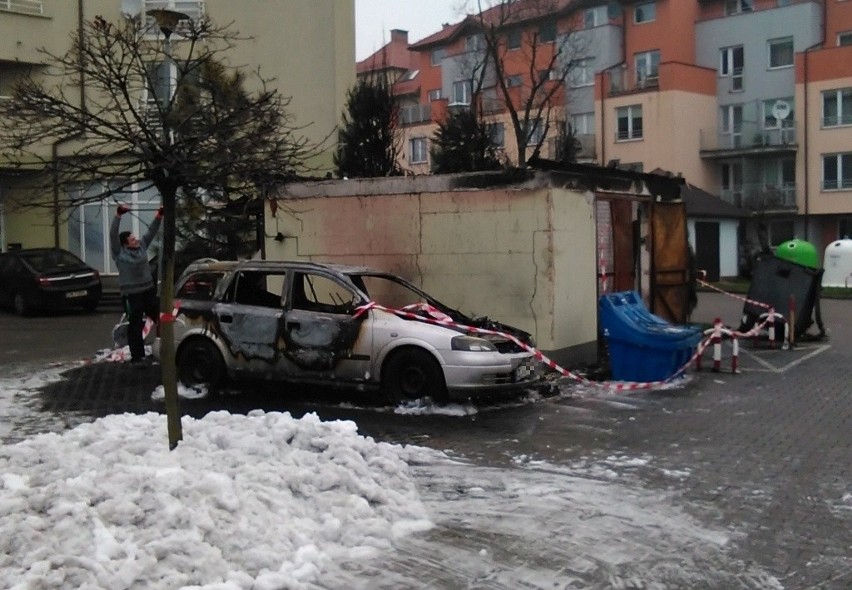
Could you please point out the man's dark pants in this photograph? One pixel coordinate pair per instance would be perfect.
(137, 306)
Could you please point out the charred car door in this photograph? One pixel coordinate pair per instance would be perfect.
(250, 317)
(323, 336)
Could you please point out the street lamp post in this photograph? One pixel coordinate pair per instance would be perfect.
(167, 21)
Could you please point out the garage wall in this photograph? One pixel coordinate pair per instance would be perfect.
(523, 254)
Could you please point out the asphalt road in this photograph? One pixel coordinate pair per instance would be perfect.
(760, 460)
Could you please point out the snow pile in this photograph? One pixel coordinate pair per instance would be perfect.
(261, 501)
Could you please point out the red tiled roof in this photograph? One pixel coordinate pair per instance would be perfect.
(394, 55)
(407, 87)
(501, 14)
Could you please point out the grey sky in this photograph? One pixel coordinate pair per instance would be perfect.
(375, 18)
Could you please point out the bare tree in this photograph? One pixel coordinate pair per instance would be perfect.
(521, 62)
(137, 107)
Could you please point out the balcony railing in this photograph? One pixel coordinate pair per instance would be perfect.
(748, 136)
(585, 147)
(837, 184)
(837, 120)
(22, 6)
(761, 197)
(416, 113)
(623, 80)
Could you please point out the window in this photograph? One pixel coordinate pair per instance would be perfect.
(417, 151)
(779, 182)
(88, 225)
(595, 17)
(647, 68)
(731, 118)
(474, 42)
(737, 6)
(732, 183)
(645, 12)
(582, 73)
(434, 94)
(844, 228)
(23, 6)
(315, 292)
(200, 286)
(844, 38)
(731, 62)
(837, 171)
(837, 107)
(629, 122)
(409, 75)
(497, 134)
(547, 32)
(549, 74)
(583, 123)
(514, 81)
(258, 288)
(535, 132)
(461, 92)
(781, 52)
(513, 39)
(438, 56)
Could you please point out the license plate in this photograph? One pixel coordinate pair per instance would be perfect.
(524, 371)
(72, 294)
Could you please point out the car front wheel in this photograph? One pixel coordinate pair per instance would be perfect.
(411, 374)
(200, 362)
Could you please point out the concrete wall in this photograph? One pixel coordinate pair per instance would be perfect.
(523, 253)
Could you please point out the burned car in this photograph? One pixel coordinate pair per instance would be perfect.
(337, 325)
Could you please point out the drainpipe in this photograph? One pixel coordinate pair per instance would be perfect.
(805, 109)
(54, 148)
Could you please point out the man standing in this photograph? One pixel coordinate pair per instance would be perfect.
(138, 293)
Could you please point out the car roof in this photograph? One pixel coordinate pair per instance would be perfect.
(230, 265)
(18, 251)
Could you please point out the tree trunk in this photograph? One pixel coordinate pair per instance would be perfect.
(167, 331)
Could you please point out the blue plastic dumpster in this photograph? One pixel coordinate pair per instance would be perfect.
(642, 346)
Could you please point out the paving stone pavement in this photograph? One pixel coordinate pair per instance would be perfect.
(768, 449)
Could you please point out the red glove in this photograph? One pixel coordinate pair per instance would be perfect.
(122, 209)
(159, 214)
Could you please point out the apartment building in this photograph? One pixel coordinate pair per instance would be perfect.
(748, 100)
(289, 41)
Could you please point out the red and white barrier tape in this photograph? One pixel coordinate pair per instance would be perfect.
(441, 319)
(743, 299)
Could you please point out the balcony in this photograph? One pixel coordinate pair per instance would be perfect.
(585, 146)
(622, 80)
(416, 113)
(35, 7)
(761, 197)
(748, 138)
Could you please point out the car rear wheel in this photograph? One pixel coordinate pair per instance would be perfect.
(413, 374)
(21, 305)
(200, 362)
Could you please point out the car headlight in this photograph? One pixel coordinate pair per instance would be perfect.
(472, 344)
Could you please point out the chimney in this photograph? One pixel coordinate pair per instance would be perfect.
(399, 35)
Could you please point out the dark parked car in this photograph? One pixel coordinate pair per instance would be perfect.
(47, 278)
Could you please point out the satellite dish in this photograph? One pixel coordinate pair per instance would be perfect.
(781, 109)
